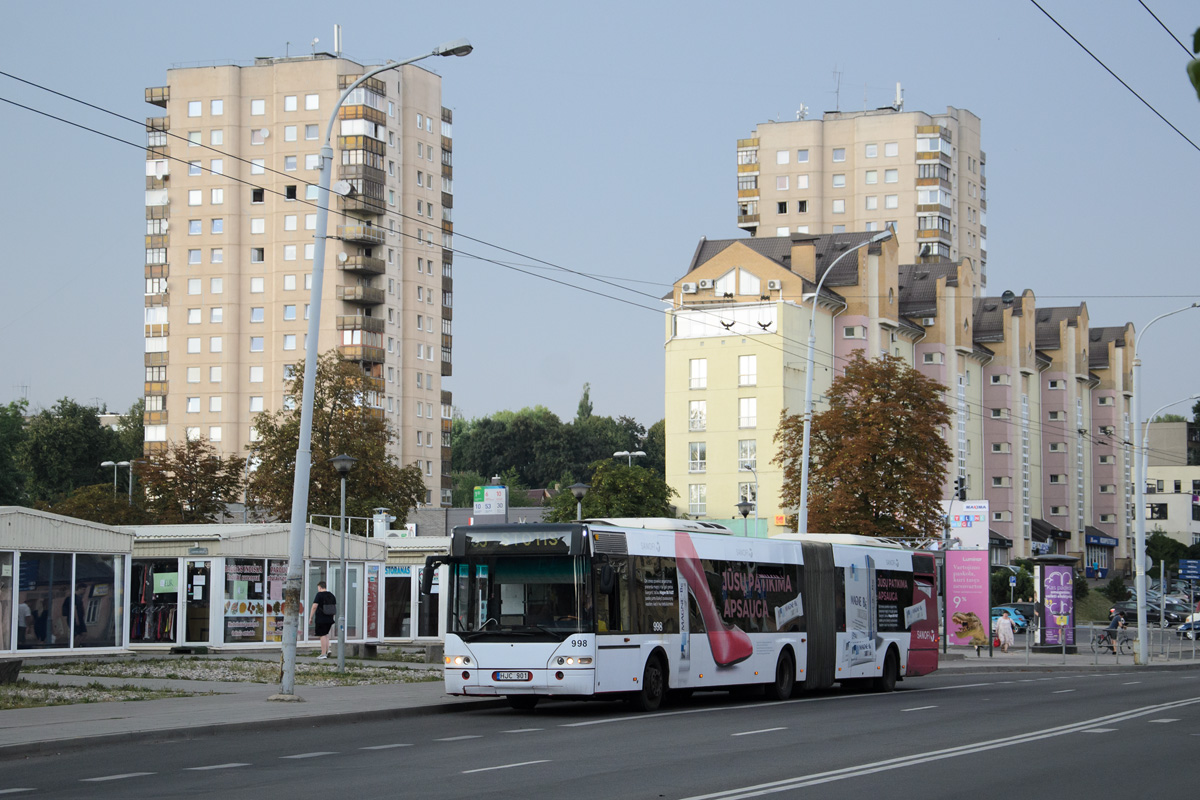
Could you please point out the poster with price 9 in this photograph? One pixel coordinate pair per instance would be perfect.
(967, 610)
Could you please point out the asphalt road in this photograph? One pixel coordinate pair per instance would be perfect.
(947, 735)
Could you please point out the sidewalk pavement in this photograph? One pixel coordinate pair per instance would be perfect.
(50, 729)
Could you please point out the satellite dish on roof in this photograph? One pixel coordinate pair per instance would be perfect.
(1007, 297)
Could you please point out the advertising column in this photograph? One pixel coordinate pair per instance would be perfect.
(967, 599)
(1055, 586)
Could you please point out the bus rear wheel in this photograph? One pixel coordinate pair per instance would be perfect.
(785, 678)
(891, 671)
(654, 686)
(523, 702)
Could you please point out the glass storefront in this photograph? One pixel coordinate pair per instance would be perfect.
(67, 600)
(397, 603)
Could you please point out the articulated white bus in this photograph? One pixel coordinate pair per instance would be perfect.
(642, 607)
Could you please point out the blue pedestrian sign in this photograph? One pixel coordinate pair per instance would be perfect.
(1012, 580)
(1189, 569)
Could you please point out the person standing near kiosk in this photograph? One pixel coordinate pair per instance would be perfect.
(322, 615)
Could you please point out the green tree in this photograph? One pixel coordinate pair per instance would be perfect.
(617, 490)
(584, 411)
(12, 441)
(1115, 590)
(63, 448)
(1169, 418)
(1000, 587)
(655, 447)
(98, 503)
(878, 457)
(1160, 547)
(131, 432)
(190, 483)
(463, 488)
(342, 423)
(1193, 66)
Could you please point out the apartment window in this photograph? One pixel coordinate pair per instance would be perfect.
(747, 370)
(289, 163)
(891, 201)
(839, 206)
(1108, 518)
(257, 314)
(871, 150)
(697, 415)
(1058, 511)
(312, 161)
(891, 176)
(258, 225)
(256, 374)
(747, 453)
(1108, 488)
(194, 168)
(217, 197)
(854, 332)
(193, 344)
(697, 456)
(747, 412)
(193, 316)
(310, 132)
(891, 149)
(1106, 400)
(216, 314)
(801, 206)
(218, 166)
(214, 344)
(931, 358)
(258, 108)
(193, 405)
(839, 154)
(216, 138)
(1058, 447)
(256, 344)
(194, 108)
(1001, 447)
(194, 256)
(1001, 482)
(802, 156)
(839, 181)
(256, 404)
(697, 499)
(308, 256)
(193, 374)
(781, 182)
(999, 413)
(195, 197)
(193, 138)
(781, 207)
(998, 380)
(1058, 416)
(289, 341)
(289, 313)
(1108, 459)
(781, 156)
(801, 181)
(1057, 479)
(1001, 516)
(698, 370)
(872, 176)
(214, 404)
(872, 202)
(257, 256)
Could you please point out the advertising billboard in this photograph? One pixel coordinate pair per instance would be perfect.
(967, 600)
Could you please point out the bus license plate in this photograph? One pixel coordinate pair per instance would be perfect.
(512, 676)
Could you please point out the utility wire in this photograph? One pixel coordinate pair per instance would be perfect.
(1165, 28)
(1115, 75)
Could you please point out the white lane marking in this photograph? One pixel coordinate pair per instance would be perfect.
(230, 765)
(384, 746)
(523, 730)
(751, 733)
(1165, 719)
(115, 777)
(1098, 730)
(312, 755)
(506, 766)
(802, 781)
(457, 738)
(1062, 691)
(14, 791)
(918, 708)
(1130, 683)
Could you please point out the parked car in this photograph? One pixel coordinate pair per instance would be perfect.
(1018, 619)
(1175, 613)
(1188, 629)
(1026, 610)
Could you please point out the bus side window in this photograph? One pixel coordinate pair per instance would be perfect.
(612, 610)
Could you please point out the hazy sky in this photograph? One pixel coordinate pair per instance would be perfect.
(601, 139)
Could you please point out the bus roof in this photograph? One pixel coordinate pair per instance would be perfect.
(662, 524)
(840, 538)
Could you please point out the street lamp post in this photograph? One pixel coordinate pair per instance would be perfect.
(114, 465)
(579, 490)
(1139, 541)
(629, 455)
(750, 469)
(343, 464)
(744, 509)
(802, 517)
(292, 587)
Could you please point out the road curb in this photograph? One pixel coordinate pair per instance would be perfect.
(50, 746)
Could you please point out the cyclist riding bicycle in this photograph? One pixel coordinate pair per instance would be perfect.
(1116, 622)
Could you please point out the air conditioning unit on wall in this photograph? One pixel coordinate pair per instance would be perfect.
(706, 283)
(774, 286)
(688, 288)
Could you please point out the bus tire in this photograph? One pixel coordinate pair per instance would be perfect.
(654, 686)
(785, 678)
(886, 682)
(523, 702)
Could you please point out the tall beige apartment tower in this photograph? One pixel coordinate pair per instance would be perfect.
(231, 189)
(862, 170)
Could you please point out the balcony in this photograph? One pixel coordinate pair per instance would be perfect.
(361, 352)
(447, 200)
(747, 220)
(748, 169)
(366, 265)
(158, 123)
(933, 233)
(154, 418)
(359, 322)
(361, 295)
(744, 194)
(155, 388)
(158, 95)
(941, 183)
(447, 226)
(366, 234)
(744, 143)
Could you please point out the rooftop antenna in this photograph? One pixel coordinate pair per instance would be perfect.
(899, 104)
(337, 41)
(313, 44)
(287, 49)
(837, 89)
(802, 112)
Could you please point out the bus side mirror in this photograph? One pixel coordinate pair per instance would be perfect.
(431, 565)
(608, 578)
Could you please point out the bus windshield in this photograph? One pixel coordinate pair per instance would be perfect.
(514, 597)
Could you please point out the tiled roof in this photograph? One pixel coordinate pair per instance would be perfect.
(1048, 320)
(1098, 339)
(918, 286)
(989, 319)
(779, 250)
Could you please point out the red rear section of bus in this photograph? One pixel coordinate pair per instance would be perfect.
(923, 644)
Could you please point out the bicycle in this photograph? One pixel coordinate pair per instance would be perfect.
(1103, 641)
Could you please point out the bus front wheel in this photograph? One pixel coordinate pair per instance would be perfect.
(785, 678)
(654, 686)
